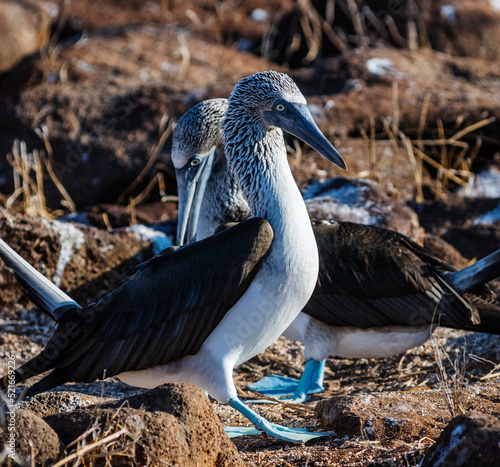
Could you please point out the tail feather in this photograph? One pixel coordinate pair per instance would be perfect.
(39, 290)
(476, 275)
(489, 314)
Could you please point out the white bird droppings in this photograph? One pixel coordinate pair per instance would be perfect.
(71, 240)
(495, 4)
(489, 218)
(259, 15)
(380, 67)
(486, 184)
(449, 12)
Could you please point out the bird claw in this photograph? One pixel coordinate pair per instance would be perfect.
(292, 435)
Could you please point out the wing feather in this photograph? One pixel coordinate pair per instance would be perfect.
(377, 277)
(162, 312)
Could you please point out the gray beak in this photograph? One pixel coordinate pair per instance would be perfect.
(191, 185)
(297, 120)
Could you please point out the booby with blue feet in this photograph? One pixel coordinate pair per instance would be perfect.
(192, 314)
(378, 293)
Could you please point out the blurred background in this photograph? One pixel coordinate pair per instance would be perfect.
(407, 89)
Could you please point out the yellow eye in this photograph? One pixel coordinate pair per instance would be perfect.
(279, 107)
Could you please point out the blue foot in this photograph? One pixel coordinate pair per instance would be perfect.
(311, 382)
(293, 435)
(274, 385)
(235, 431)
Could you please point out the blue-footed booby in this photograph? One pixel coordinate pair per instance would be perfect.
(192, 314)
(378, 293)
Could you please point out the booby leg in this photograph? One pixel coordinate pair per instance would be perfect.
(311, 382)
(293, 435)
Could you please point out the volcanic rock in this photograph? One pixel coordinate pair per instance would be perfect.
(82, 261)
(470, 439)
(173, 424)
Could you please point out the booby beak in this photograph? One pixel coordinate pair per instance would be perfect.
(191, 185)
(296, 119)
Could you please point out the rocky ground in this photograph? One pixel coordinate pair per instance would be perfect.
(407, 91)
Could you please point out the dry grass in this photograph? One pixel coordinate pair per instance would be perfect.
(368, 26)
(50, 53)
(29, 170)
(450, 156)
(451, 374)
(28, 180)
(156, 179)
(104, 443)
(43, 133)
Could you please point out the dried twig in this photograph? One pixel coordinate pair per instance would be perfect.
(81, 452)
(255, 395)
(152, 159)
(31, 189)
(452, 386)
(43, 134)
(471, 128)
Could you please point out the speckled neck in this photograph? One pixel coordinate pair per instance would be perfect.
(257, 158)
(223, 200)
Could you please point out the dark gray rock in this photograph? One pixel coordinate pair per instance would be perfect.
(468, 440)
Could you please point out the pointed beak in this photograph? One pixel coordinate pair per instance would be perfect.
(297, 120)
(191, 185)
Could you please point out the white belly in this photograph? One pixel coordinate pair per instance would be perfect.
(258, 319)
(322, 341)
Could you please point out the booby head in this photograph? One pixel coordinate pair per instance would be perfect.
(198, 154)
(197, 143)
(272, 100)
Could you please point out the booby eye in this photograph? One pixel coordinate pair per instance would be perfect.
(279, 107)
(194, 162)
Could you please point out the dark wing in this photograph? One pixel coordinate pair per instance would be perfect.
(39, 290)
(163, 312)
(371, 276)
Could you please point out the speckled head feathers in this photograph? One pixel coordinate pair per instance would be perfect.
(261, 90)
(260, 108)
(198, 130)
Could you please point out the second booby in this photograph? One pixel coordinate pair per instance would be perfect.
(378, 293)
